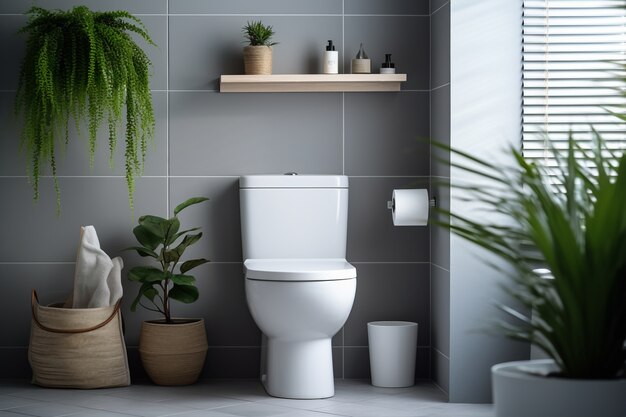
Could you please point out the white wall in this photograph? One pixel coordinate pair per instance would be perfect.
(485, 51)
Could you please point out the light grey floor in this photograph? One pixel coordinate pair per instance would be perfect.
(228, 398)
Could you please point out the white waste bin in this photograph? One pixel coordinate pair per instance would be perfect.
(393, 346)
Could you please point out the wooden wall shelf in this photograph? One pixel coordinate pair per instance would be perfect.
(303, 83)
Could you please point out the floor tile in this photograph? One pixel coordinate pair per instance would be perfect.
(361, 410)
(133, 407)
(10, 414)
(256, 410)
(97, 413)
(202, 413)
(61, 396)
(310, 413)
(46, 409)
(461, 410)
(228, 398)
(202, 401)
(143, 393)
(9, 402)
(299, 404)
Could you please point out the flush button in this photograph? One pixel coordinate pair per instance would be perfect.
(290, 173)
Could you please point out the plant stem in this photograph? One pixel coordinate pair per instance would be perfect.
(157, 310)
(164, 286)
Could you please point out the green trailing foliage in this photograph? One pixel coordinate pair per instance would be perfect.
(84, 65)
(577, 230)
(258, 34)
(161, 239)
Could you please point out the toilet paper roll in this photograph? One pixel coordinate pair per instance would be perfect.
(410, 207)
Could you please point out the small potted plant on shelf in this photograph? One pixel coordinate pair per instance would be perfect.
(574, 218)
(257, 56)
(172, 350)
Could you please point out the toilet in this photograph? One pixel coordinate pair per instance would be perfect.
(299, 287)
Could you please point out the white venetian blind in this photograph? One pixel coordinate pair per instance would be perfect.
(569, 73)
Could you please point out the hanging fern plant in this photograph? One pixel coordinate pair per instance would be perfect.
(82, 65)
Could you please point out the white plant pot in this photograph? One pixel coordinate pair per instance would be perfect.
(519, 392)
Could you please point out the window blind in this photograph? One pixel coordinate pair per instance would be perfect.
(570, 75)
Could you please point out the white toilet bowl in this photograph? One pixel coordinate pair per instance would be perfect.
(299, 287)
(299, 305)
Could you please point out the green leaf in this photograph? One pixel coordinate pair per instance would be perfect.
(146, 274)
(156, 225)
(143, 251)
(577, 231)
(146, 238)
(179, 234)
(189, 265)
(187, 241)
(146, 290)
(184, 293)
(190, 202)
(182, 279)
(171, 256)
(173, 225)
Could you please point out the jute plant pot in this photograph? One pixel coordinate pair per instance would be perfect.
(257, 60)
(173, 354)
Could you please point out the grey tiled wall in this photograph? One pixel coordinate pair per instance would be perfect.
(205, 140)
(440, 171)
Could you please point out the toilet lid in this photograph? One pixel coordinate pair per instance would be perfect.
(298, 269)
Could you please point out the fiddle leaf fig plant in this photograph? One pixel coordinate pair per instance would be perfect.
(79, 65)
(161, 239)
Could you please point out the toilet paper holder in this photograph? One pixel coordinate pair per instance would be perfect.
(391, 203)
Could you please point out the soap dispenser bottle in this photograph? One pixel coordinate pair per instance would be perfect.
(331, 59)
(388, 67)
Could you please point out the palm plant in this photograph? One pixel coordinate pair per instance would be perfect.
(79, 64)
(578, 232)
(258, 34)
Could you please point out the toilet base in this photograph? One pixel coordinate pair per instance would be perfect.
(298, 369)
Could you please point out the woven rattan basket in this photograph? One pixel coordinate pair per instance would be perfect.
(77, 347)
(173, 354)
(257, 60)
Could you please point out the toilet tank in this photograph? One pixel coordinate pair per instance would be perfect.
(293, 216)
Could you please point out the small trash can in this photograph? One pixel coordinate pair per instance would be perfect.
(393, 346)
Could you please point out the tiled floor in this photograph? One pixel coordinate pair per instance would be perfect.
(244, 398)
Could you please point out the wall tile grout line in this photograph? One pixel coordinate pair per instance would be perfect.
(343, 144)
(440, 352)
(440, 267)
(211, 176)
(440, 86)
(390, 262)
(440, 7)
(424, 347)
(167, 105)
(36, 263)
(167, 13)
(430, 170)
(200, 90)
(290, 15)
(240, 262)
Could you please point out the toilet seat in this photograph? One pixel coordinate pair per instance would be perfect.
(298, 269)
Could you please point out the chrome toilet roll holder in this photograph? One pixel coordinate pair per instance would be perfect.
(391, 204)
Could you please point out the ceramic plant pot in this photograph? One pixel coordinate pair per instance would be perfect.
(257, 60)
(519, 392)
(173, 354)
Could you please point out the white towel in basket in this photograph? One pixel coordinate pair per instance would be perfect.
(98, 278)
